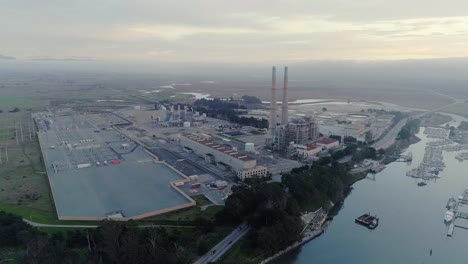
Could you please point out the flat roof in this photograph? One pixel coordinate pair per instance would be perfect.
(326, 141)
(209, 143)
(134, 187)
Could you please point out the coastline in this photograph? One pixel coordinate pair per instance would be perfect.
(305, 239)
(398, 149)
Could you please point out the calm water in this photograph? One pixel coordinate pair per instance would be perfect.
(411, 219)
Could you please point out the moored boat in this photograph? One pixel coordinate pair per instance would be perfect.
(449, 216)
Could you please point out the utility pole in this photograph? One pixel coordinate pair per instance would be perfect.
(29, 130)
(21, 130)
(16, 133)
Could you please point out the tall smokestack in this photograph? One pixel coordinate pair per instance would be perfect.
(272, 124)
(284, 106)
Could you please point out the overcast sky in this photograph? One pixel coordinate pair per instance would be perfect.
(242, 31)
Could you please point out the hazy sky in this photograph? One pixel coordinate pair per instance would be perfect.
(247, 31)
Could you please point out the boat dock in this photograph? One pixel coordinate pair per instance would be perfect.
(451, 228)
(368, 220)
(454, 206)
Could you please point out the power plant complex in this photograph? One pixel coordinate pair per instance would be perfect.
(297, 131)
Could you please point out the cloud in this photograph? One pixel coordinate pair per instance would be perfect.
(160, 52)
(235, 31)
(176, 32)
(64, 59)
(4, 57)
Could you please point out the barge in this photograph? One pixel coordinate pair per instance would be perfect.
(368, 221)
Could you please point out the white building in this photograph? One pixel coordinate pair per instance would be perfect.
(258, 171)
(309, 150)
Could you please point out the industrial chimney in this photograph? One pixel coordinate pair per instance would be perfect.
(272, 125)
(284, 106)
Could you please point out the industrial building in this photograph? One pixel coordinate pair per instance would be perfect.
(328, 143)
(300, 131)
(307, 151)
(223, 157)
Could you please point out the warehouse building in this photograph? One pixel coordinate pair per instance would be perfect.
(328, 143)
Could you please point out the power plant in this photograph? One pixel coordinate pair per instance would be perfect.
(300, 130)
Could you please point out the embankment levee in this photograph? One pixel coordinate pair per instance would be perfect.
(304, 240)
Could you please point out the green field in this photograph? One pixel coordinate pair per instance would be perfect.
(190, 214)
(23, 103)
(458, 109)
(24, 188)
(435, 119)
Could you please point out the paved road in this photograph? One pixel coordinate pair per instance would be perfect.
(222, 247)
(35, 224)
(389, 138)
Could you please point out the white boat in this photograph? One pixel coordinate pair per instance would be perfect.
(449, 216)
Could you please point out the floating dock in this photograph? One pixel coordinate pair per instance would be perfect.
(454, 206)
(368, 221)
(450, 229)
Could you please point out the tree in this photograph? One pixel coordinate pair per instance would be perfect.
(15, 110)
(204, 225)
(251, 99)
(381, 151)
(368, 136)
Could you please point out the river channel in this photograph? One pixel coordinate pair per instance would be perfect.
(411, 218)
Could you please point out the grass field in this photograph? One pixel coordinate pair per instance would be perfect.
(192, 213)
(24, 188)
(435, 119)
(458, 109)
(23, 103)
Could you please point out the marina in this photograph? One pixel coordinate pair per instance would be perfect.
(433, 163)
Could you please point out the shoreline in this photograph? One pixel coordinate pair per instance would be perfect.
(336, 207)
(304, 240)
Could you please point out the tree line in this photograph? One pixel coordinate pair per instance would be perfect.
(272, 212)
(409, 129)
(111, 242)
(226, 110)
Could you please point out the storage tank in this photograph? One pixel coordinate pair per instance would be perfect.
(249, 147)
(186, 124)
